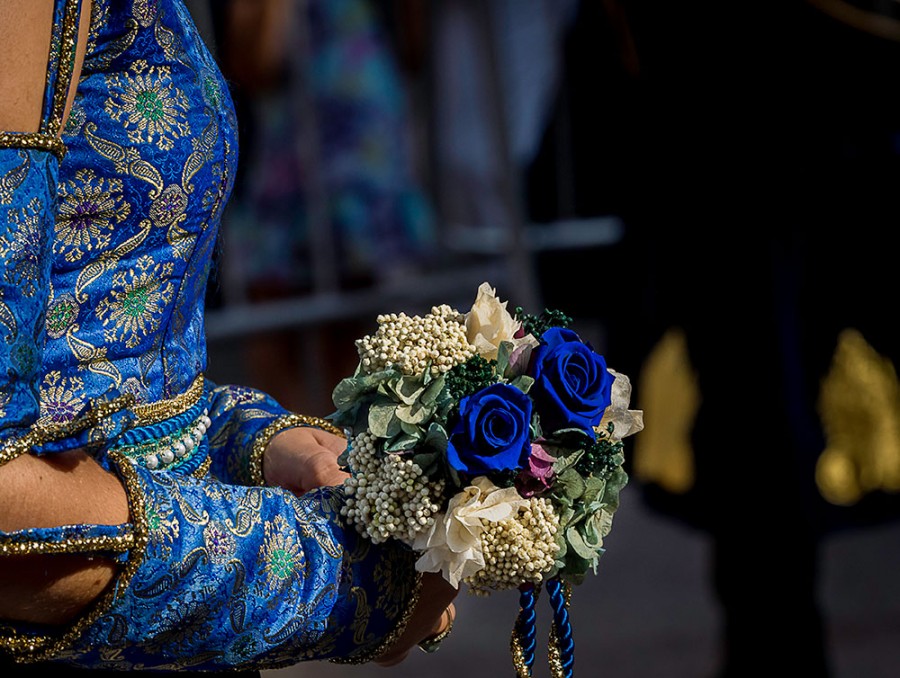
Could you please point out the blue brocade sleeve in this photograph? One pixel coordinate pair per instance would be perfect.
(28, 179)
(218, 576)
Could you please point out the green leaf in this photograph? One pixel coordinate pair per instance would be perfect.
(353, 388)
(428, 462)
(401, 442)
(415, 413)
(594, 488)
(432, 392)
(503, 353)
(523, 383)
(571, 484)
(382, 420)
(578, 544)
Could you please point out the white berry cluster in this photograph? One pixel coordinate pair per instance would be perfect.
(517, 550)
(388, 496)
(411, 343)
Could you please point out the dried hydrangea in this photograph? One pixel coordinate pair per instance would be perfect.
(388, 495)
(517, 550)
(411, 344)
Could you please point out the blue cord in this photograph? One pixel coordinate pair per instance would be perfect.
(563, 626)
(526, 623)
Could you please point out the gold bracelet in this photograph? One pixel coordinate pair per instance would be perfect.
(432, 643)
(277, 426)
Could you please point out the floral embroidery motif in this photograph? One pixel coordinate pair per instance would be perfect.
(149, 105)
(22, 248)
(169, 207)
(280, 555)
(145, 11)
(219, 543)
(89, 208)
(60, 399)
(163, 527)
(62, 313)
(137, 301)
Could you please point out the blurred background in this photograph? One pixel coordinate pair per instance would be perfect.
(710, 189)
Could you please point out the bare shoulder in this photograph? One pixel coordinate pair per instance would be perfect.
(25, 30)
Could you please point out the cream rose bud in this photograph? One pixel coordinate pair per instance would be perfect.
(489, 323)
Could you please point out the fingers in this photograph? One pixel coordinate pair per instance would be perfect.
(430, 618)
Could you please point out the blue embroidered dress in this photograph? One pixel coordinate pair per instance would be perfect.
(106, 239)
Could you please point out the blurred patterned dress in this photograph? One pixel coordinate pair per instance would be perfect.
(332, 149)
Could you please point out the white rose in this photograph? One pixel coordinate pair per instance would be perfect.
(625, 422)
(489, 323)
(453, 544)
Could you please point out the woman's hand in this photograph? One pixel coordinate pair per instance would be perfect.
(304, 458)
(434, 614)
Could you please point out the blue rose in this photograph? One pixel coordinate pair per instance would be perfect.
(572, 386)
(493, 432)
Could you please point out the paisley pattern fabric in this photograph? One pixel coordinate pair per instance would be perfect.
(105, 248)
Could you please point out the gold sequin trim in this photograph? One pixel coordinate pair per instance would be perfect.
(393, 636)
(118, 544)
(68, 48)
(35, 140)
(25, 648)
(203, 469)
(151, 413)
(42, 433)
(280, 424)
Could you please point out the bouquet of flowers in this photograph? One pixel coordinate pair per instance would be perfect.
(490, 443)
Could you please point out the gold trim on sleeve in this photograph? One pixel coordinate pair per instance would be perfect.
(34, 140)
(393, 636)
(277, 426)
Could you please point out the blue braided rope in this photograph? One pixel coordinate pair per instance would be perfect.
(562, 626)
(526, 624)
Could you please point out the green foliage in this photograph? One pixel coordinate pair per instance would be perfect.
(536, 325)
(399, 408)
(470, 377)
(603, 457)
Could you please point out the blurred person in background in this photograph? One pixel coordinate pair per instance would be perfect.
(753, 152)
(328, 197)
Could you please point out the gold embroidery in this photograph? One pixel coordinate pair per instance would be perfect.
(41, 433)
(151, 413)
(118, 544)
(34, 141)
(135, 305)
(68, 47)
(93, 357)
(361, 617)
(148, 105)
(393, 636)
(859, 402)
(61, 398)
(89, 208)
(280, 424)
